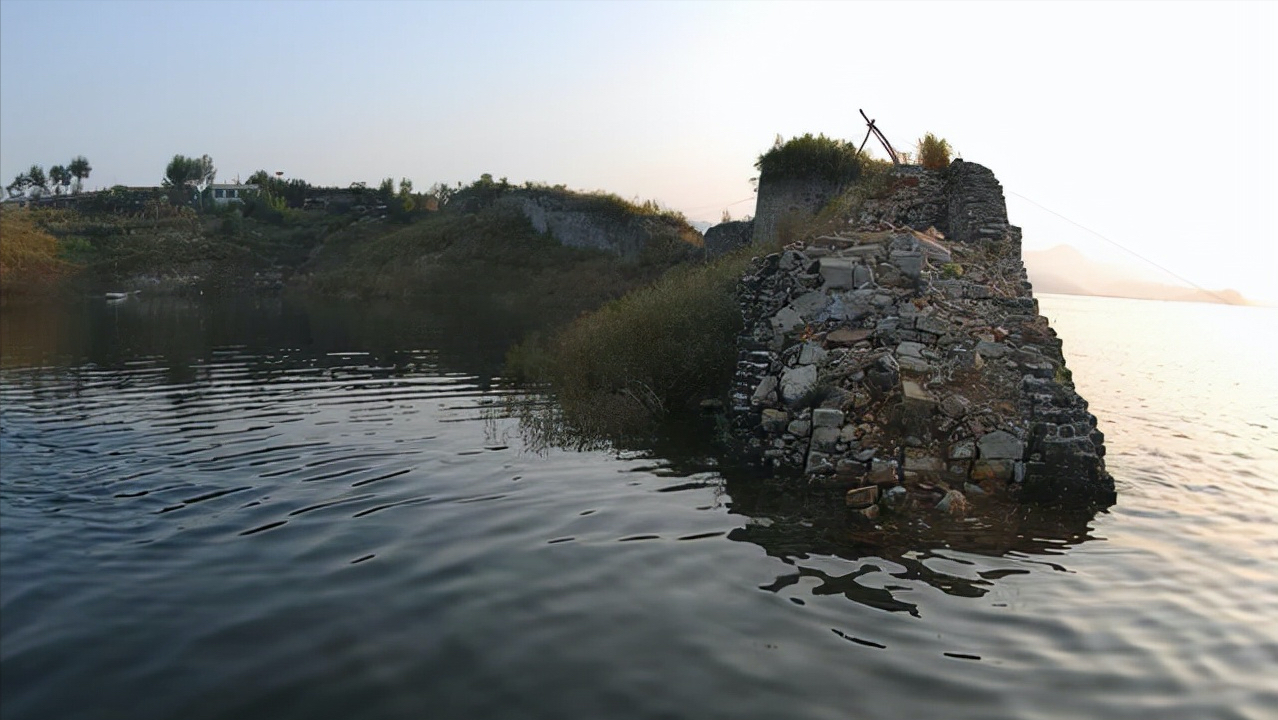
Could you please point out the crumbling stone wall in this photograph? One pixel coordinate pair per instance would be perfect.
(626, 237)
(783, 199)
(726, 237)
(910, 369)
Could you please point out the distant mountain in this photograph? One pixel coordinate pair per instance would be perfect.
(1065, 270)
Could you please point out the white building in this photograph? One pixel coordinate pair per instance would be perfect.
(224, 193)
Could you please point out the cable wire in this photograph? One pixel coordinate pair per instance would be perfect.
(1133, 253)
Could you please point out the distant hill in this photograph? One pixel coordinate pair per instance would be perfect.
(1065, 270)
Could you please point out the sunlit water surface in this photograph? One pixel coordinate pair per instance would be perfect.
(261, 510)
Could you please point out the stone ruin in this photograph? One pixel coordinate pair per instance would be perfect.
(903, 361)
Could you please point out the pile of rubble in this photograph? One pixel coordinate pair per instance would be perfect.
(910, 368)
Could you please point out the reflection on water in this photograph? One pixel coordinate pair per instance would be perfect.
(273, 509)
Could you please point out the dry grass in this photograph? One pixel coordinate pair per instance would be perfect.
(28, 255)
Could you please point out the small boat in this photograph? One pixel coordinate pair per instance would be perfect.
(118, 296)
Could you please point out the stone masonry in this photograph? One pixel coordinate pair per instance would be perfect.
(904, 361)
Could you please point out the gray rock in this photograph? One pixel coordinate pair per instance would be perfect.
(774, 420)
(838, 273)
(765, 391)
(826, 417)
(786, 320)
(914, 365)
(812, 354)
(1000, 445)
(955, 406)
(915, 393)
(934, 325)
(991, 350)
(883, 472)
(953, 503)
(919, 460)
(810, 304)
(825, 438)
(862, 275)
(818, 464)
(910, 349)
(909, 263)
(799, 428)
(796, 381)
(963, 450)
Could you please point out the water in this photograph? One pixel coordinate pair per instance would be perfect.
(254, 509)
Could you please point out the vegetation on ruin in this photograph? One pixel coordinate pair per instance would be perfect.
(934, 152)
(646, 357)
(809, 156)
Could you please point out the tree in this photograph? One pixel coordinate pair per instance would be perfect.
(386, 190)
(37, 181)
(19, 186)
(60, 177)
(184, 173)
(79, 169)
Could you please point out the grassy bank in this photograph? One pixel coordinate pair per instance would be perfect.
(644, 358)
(30, 259)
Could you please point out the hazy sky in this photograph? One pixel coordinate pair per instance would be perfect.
(1150, 123)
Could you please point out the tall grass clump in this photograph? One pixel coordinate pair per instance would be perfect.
(646, 356)
(934, 152)
(28, 254)
(810, 156)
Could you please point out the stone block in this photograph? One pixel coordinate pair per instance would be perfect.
(810, 304)
(825, 438)
(766, 390)
(786, 320)
(921, 460)
(953, 503)
(863, 496)
(849, 468)
(1000, 445)
(909, 263)
(992, 470)
(910, 349)
(955, 406)
(844, 337)
(991, 350)
(826, 417)
(812, 354)
(838, 273)
(819, 464)
(774, 420)
(963, 450)
(862, 275)
(914, 365)
(799, 428)
(882, 472)
(934, 325)
(796, 381)
(914, 392)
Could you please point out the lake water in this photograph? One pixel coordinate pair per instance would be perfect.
(254, 509)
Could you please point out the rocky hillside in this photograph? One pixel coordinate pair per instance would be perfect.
(903, 360)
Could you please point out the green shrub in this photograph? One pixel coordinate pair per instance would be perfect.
(808, 156)
(934, 152)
